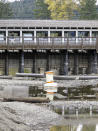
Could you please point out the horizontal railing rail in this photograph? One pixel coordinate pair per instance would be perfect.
(48, 42)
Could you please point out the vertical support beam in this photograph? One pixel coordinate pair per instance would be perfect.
(6, 36)
(49, 36)
(92, 62)
(6, 63)
(21, 36)
(89, 62)
(90, 36)
(94, 67)
(62, 36)
(76, 36)
(35, 36)
(47, 59)
(34, 61)
(76, 63)
(21, 62)
(65, 62)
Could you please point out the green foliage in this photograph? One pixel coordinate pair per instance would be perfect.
(41, 11)
(5, 10)
(23, 9)
(61, 9)
(88, 9)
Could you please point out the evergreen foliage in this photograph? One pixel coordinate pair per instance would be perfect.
(88, 9)
(41, 11)
(5, 10)
(23, 9)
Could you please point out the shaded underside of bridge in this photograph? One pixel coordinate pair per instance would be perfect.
(62, 62)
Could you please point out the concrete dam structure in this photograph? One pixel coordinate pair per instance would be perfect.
(36, 46)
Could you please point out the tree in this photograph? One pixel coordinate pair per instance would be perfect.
(41, 11)
(87, 9)
(61, 9)
(23, 9)
(5, 10)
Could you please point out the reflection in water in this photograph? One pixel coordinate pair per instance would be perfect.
(80, 127)
(96, 127)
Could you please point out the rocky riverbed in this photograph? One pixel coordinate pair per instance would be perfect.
(15, 116)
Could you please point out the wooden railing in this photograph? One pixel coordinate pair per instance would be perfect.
(48, 43)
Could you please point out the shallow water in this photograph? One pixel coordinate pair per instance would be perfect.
(79, 127)
(90, 124)
(81, 93)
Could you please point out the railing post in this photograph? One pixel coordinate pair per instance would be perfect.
(76, 36)
(63, 36)
(67, 42)
(90, 36)
(21, 36)
(22, 43)
(34, 36)
(7, 43)
(49, 36)
(82, 43)
(52, 42)
(6, 36)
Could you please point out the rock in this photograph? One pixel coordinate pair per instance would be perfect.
(15, 116)
(59, 96)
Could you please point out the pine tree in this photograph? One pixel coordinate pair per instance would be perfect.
(5, 10)
(41, 11)
(88, 9)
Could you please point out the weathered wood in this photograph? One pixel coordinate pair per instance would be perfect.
(21, 62)
(94, 67)
(64, 77)
(76, 63)
(92, 61)
(30, 75)
(6, 63)
(47, 64)
(28, 100)
(65, 62)
(34, 61)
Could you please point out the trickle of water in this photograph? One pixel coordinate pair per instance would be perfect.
(80, 127)
(96, 127)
